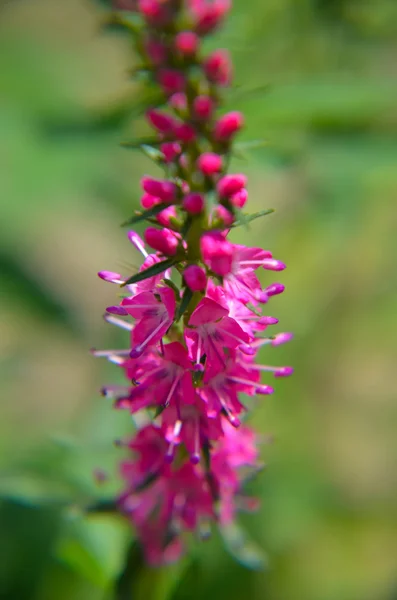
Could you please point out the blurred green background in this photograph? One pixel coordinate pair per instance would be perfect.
(317, 79)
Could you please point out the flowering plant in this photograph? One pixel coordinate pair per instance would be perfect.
(194, 312)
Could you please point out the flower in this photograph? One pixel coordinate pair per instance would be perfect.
(194, 312)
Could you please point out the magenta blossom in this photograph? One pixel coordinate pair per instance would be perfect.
(194, 313)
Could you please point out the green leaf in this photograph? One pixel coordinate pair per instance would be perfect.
(244, 219)
(152, 153)
(187, 296)
(240, 148)
(139, 143)
(244, 550)
(155, 269)
(147, 214)
(94, 546)
(117, 23)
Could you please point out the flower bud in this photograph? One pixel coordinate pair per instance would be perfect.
(148, 201)
(195, 278)
(224, 215)
(165, 190)
(110, 276)
(185, 133)
(203, 107)
(153, 11)
(171, 81)
(230, 185)
(239, 199)
(209, 163)
(156, 51)
(193, 203)
(178, 102)
(227, 126)
(217, 68)
(170, 150)
(164, 123)
(162, 240)
(208, 16)
(187, 43)
(164, 217)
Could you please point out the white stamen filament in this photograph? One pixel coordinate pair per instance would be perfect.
(118, 322)
(151, 335)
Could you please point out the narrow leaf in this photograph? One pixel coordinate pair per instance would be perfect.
(187, 296)
(145, 215)
(152, 153)
(244, 550)
(137, 144)
(155, 269)
(244, 219)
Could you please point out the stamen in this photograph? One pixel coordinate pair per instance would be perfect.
(118, 322)
(137, 351)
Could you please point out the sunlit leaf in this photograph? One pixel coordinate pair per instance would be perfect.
(155, 269)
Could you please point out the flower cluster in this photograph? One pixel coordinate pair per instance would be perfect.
(195, 310)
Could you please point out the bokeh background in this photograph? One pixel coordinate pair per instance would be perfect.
(317, 80)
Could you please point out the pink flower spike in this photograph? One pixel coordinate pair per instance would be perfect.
(187, 43)
(193, 203)
(218, 67)
(271, 264)
(162, 240)
(283, 372)
(165, 190)
(111, 277)
(227, 126)
(281, 338)
(217, 252)
(230, 185)
(195, 278)
(209, 163)
(203, 107)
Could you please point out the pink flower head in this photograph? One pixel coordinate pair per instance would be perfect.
(154, 314)
(211, 330)
(217, 252)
